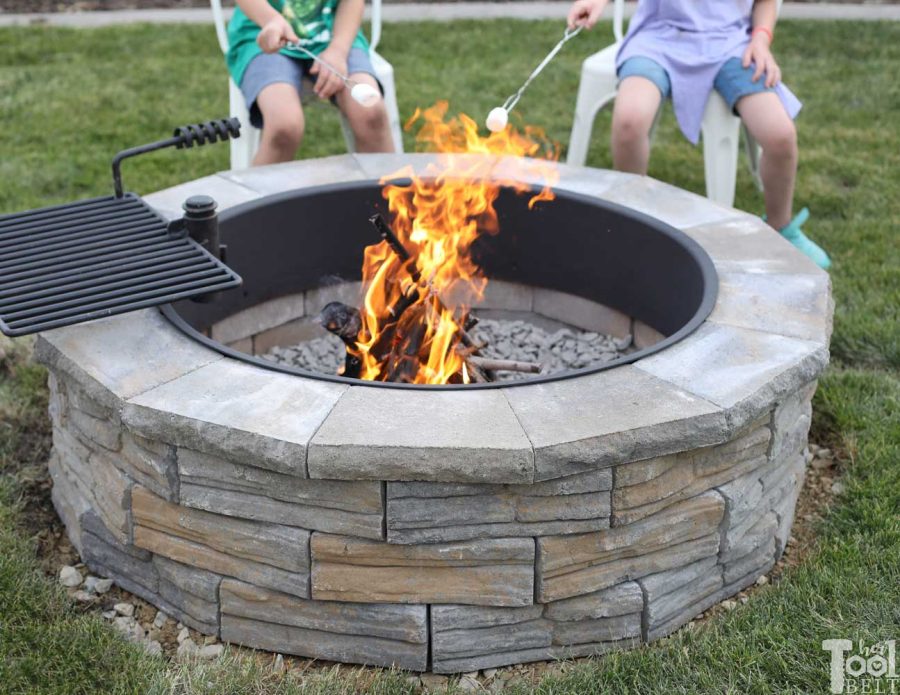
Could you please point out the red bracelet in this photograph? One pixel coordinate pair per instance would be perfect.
(767, 31)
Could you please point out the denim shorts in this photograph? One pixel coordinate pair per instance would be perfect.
(272, 68)
(733, 80)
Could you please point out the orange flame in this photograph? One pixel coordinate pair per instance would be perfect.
(414, 310)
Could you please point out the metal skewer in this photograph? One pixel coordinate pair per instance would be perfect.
(497, 118)
(361, 92)
(570, 34)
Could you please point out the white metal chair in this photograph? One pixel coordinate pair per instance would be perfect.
(720, 130)
(244, 148)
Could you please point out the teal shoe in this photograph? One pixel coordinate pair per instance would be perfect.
(795, 235)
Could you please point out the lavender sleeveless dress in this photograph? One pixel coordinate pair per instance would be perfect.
(692, 39)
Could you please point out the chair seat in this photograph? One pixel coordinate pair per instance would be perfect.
(380, 64)
(603, 62)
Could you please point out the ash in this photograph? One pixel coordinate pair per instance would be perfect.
(556, 351)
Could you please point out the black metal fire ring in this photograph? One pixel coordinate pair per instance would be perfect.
(706, 274)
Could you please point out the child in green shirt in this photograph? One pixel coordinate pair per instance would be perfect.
(270, 75)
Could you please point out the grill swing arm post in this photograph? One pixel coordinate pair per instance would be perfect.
(186, 136)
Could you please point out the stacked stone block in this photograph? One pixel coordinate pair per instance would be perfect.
(441, 576)
(436, 512)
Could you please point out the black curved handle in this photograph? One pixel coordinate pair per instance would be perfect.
(185, 136)
(211, 131)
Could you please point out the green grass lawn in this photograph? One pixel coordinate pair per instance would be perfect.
(69, 99)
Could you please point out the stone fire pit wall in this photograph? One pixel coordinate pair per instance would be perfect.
(446, 531)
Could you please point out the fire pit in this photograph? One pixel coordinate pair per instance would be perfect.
(568, 261)
(461, 526)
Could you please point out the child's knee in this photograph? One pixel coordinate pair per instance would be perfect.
(370, 120)
(781, 140)
(285, 133)
(630, 124)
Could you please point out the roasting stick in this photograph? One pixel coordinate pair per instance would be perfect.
(361, 93)
(499, 116)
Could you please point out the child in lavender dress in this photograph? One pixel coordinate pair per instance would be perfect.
(687, 48)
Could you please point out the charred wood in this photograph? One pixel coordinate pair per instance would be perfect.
(505, 365)
(342, 320)
(345, 322)
(388, 235)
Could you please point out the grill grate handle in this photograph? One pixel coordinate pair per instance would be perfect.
(184, 137)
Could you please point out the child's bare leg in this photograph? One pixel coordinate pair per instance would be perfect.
(283, 123)
(774, 130)
(636, 105)
(370, 125)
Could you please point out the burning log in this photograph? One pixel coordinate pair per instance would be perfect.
(490, 364)
(341, 319)
(403, 331)
(388, 235)
(408, 342)
(403, 364)
(345, 322)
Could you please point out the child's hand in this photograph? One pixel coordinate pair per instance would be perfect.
(585, 13)
(275, 34)
(327, 83)
(758, 52)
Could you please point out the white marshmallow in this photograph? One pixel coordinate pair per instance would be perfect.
(365, 94)
(497, 119)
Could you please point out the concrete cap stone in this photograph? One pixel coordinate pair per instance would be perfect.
(740, 370)
(746, 244)
(787, 304)
(598, 420)
(446, 436)
(278, 178)
(672, 205)
(238, 411)
(226, 193)
(122, 356)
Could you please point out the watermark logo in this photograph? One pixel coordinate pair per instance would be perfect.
(858, 669)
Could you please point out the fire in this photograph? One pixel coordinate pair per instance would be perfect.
(415, 308)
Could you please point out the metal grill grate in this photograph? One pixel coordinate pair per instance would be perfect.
(82, 261)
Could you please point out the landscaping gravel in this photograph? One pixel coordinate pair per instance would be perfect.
(556, 351)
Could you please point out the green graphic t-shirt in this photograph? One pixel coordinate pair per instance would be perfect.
(312, 21)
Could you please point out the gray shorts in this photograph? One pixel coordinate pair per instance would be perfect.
(272, 68)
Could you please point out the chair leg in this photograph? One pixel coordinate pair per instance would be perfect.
(656, 120)
(720, 132)
(244, 148)
(586, 108)
(754, 152)
(390, 101)
(385, 72)
(348, 134)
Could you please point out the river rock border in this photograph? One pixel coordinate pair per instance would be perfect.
(501, 526)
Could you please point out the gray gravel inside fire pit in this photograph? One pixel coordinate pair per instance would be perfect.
(557, 351)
